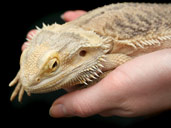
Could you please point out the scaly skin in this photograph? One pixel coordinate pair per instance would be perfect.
(85, 50)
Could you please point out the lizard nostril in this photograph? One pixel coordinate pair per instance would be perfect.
(38, 79)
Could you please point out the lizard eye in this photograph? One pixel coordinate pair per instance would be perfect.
(53, 64)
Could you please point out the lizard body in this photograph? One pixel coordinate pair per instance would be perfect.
(80, 51)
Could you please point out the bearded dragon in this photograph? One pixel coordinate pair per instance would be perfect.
(86, 49)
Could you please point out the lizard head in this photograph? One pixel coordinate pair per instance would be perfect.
(55, 60)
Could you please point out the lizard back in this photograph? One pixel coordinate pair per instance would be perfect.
(144, 26)
(128, 20)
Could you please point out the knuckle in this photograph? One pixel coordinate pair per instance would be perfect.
(123, 77)
(80, 109)
(128, 109)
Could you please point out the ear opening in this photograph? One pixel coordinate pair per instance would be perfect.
(83, 53)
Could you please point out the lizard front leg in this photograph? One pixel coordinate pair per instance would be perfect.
(114, 60)
(19, 90)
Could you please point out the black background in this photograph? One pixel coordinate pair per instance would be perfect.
(17, 18)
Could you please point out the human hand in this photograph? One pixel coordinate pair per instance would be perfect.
(139, 87)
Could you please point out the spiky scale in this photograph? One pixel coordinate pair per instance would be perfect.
(92, 76)
(85, 83)
(100, 65)
(38, 28)
(89, 80)
(102, 59)
(96, 74)
(99, 71)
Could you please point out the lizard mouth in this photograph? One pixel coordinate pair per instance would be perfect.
(44, 86)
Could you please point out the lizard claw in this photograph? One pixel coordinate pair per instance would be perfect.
(16, 91)
(19, 90)
(15, 80)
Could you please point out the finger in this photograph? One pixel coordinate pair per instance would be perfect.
(31, 33)
(83, 103)
(72, 15)
(24, 46)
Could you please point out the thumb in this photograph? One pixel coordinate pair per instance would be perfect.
(84, 102)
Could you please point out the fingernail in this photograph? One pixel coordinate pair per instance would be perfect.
(58, 111)
(68, 15)
(62, 17)
(24, 46)
(31, 33)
